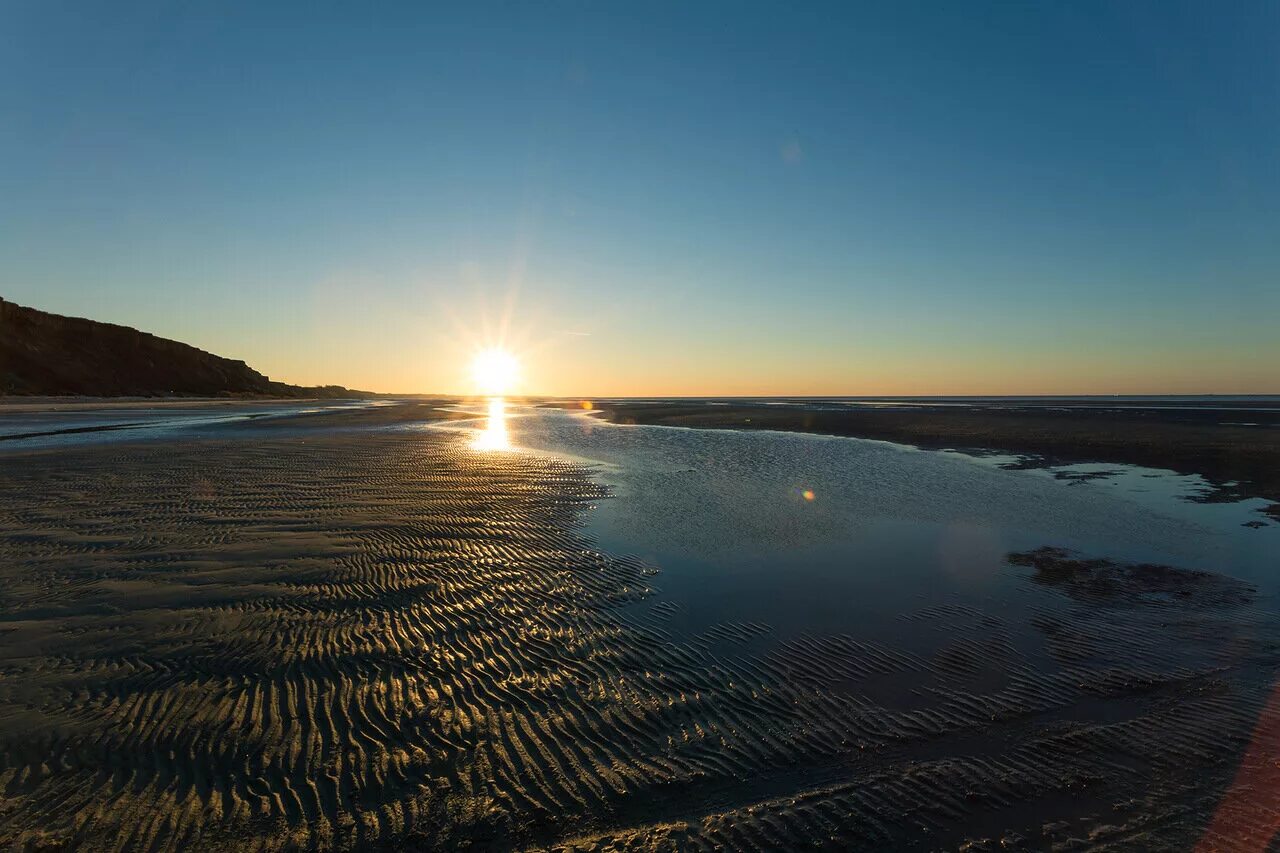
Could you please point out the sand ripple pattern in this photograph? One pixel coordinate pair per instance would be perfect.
(393, 641)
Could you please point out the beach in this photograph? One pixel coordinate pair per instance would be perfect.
(357, 629)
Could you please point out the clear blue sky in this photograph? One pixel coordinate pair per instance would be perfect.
(684, 198)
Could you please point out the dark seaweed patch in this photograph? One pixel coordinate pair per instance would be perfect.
(1102, 580)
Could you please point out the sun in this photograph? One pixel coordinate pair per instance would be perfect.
(495, 371)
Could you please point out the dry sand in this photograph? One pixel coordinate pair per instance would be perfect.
(363, 638)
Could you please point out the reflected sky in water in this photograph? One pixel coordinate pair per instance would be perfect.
(813, 532)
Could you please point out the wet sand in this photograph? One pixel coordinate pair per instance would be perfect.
(349, 632)
(1237, 452)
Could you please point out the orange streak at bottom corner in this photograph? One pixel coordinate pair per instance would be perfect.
(1248, 817)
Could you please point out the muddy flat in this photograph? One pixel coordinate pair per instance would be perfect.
(421, 626)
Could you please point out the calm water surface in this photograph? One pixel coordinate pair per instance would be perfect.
(827, 534)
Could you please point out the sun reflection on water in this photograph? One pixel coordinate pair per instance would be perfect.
(494, 435)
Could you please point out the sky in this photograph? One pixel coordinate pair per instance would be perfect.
(660, 199)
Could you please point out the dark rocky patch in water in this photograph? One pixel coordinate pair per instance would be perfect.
(1102, 580)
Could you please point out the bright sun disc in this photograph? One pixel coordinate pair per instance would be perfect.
(495, 371)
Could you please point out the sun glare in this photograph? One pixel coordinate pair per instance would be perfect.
(495, 371)
(494, 435)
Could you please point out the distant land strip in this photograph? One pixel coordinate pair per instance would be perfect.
(43, 354)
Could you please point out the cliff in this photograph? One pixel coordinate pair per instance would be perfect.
(49, 354)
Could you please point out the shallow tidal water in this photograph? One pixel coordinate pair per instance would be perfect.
(820, 533)
(389, 629)
(76, 425)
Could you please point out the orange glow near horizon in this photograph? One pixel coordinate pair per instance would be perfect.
(502, 340)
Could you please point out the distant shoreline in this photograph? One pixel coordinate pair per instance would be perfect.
(44, 354)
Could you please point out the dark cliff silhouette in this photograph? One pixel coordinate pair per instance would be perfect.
(49, 354)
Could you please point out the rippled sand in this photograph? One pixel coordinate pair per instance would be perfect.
(386, 638)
